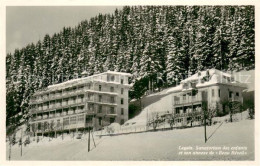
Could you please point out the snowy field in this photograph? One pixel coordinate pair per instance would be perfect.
(160, 145)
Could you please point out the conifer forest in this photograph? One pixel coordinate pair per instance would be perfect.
(158, 45)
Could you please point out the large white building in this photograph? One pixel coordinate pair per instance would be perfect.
(79, 104)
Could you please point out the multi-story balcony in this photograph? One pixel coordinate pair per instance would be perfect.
(101, 92)
(111, 113)
(57, 96)
(57, 106)
(103, 102)
(67, 94)
(187, 100)
(61, 115)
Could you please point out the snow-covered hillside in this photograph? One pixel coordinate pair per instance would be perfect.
(160, 145)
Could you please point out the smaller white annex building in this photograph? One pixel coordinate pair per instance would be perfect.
(212, 88)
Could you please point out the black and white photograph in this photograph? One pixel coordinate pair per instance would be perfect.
(130, 83)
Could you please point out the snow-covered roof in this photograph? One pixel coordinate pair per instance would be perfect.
(204, 73)
(81, 80)
(215, 76)
(175, 89)
(75, 81)
(119, 73)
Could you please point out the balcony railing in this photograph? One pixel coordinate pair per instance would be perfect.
(187, 100)
(103, 102)
(60, 115)
(58, 106)
(194, 113)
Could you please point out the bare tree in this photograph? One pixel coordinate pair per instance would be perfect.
(171, 121)
(211, 112)
(234, 107)
(155, 120)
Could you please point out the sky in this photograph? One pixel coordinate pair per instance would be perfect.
(27, 24)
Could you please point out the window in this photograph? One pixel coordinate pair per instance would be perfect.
(90, 107)
(122, 121)
(58, 123)
(177, 111)
(65, 121)
(112, 120)
(219, 93)
(112, 78)
(230, 94)
(185, 86)
(66, 101)
(100, 121)
(122, 81)
(122, 90)
(112, 99)
(81, 98)
(39, 126)
(74, 110)
(112, 89)
(213, 92)
(81, 108)
(112, 110)
(122, 101)
(74, 100)
(73, 120)
(100, 87)
(100, 98)
(122, 111)
(228, 79)
(237, 94)
(80, 88)
(80, 118)
(100, 109)
(184, 97)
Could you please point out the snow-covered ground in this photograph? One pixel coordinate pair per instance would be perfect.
(160, 145)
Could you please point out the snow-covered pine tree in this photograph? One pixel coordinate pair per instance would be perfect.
(246, 50)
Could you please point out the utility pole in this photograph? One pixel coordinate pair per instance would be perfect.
(21, 142)
(205, 130)
(88, 139)
(147, 123)
(10, 141)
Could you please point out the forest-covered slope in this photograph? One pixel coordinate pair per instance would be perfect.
(160, 44)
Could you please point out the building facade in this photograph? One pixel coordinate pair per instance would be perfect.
(89, 102)
(210, 90)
